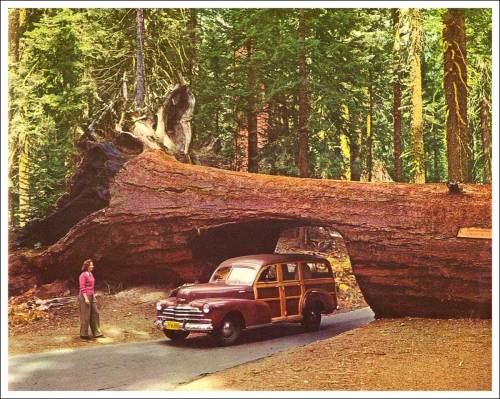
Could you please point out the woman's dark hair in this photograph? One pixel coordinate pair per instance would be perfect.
(86, 264)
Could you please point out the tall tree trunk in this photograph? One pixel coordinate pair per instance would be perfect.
(14, 34)
(355, 146)
(303, 156)
(139, 74)
(369, 134)
(458, 136)
(486, 136)
(253, 165)
(396, 105)
(192, 36)
(417, 134)
(24, 184)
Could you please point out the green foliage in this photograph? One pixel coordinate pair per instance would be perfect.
(73, 62)
(48, 100)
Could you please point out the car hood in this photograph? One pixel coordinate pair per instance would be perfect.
(213, 290)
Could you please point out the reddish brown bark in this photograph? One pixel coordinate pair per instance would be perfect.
(139, 73)
(253, 165)
(396, 104)
(169, 221)
(486, 136)
(303, 156)
(369, 134)
(458, 136)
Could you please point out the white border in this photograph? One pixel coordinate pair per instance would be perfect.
(241, 4)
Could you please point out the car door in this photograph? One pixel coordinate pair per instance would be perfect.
(318, 275)
(291, 289)
(267, 290)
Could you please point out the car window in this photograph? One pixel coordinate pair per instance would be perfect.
(220, 274)
(289, 271)
(241, 275)
(316, 270)
(268, 274)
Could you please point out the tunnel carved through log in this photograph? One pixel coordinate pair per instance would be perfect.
(172, 220)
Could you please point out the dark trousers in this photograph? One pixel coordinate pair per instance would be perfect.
(89, 315)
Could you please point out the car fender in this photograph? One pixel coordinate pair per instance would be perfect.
(328, 302)
(253, 312)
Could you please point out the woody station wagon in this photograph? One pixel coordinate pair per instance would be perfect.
(251, 291)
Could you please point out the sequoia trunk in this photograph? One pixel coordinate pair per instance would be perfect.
(458, 136)
(303, 156)
(253, 165)
(171, 222)
(417, 133)
(396, 104)
(486, 136)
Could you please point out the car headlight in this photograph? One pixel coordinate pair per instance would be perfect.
(206, 308)
(158, 306)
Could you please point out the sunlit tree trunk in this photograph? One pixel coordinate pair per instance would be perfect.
(24, 184)
(486, 136)
(303, 156)
(139, 74)
(396, 104)
(458, 136)
(417, 135)
(14, 34)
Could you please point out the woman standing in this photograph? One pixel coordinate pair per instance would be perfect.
(88, 309)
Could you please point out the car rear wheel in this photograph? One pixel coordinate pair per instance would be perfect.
(175, 335)
(229, 331)
(312, 318)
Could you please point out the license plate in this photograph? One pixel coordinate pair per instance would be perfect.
(172, 325)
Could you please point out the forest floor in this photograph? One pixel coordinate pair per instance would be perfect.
(433, 354)
(407, 354)
(127, 315)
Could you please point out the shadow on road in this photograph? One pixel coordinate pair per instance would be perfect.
(202, 341)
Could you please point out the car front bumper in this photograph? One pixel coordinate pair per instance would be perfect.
(186, 325)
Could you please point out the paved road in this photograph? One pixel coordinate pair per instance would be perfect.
(161, 365)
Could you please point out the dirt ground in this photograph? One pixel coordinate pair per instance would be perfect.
(126, 316)
(391, 354)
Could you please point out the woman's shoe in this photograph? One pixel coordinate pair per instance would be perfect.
(85, 337)
(100, 336)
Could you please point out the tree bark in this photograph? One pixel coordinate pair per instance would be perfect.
(355, 147)
(417, 134)
(253, 165)
(458, 136)
(192, 36)
(369, 134)
(396, 105)
(14, 34)
(303, 156)
(139, 74)
(486, 136)
(168, 222)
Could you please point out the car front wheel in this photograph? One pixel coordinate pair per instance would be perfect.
(229, 331)
(175, 335)
(312, 319)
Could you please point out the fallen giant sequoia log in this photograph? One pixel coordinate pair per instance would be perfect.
(172, 220)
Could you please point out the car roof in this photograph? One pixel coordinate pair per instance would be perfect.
(259, 260)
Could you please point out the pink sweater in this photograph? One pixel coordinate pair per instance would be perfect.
(87, 283)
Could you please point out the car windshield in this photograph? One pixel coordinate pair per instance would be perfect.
(234, 275)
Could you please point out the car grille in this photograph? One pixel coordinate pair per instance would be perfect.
(181, 313)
